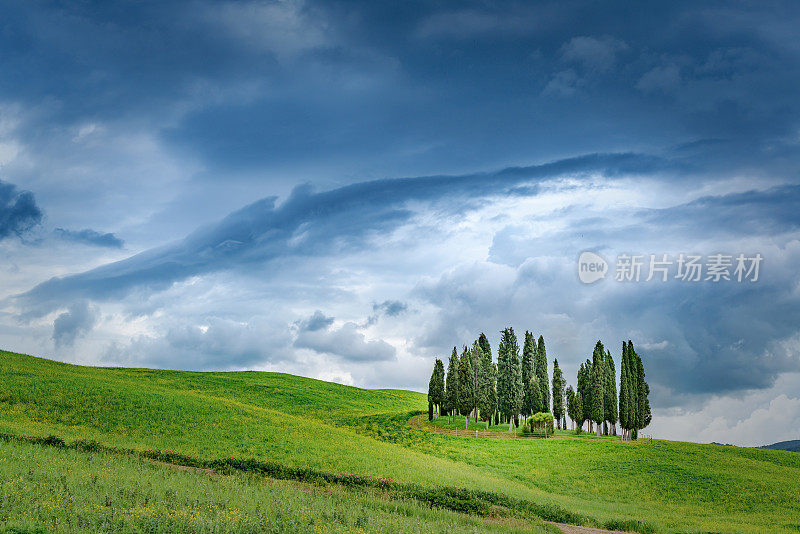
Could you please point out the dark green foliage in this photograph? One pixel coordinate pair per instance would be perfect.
(623, 388)
(483, 341)
(509, 375)
(451, 387)
(486, 393)
(532, 402)
(579, 411)
(529, 357)
(585, 390)
(466, 386)
(598, 375)
(558, 393)
(643, 415)
(542, 422)
(610, 408)
(540, 368)
(634, 405)
(436, 389)
(571, 403)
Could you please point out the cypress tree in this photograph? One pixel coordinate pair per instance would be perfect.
(509, 376)
(571, 404)
(466, 387)
(633, 392)
(585, 389)
(558, 394)
(529, 355)
(486, 391)
(610, 393)
(533, 398)
(579, 411)
(476, 357)
(623, 390)
(598, 377)
(451, 387)
(542, 375)
(483, 341)
(436, 386)
(643, 414)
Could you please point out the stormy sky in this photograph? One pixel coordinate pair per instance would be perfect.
(346, 190)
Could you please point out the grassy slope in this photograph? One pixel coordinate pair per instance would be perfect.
(69, 491)
(674, 486)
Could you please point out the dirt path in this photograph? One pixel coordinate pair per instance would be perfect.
(572, 529)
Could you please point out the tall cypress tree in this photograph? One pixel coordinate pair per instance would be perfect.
(466, 386)
(451, 386)
(643, 414)
(585, 390)
(579, 411)
(476, 357)
(529, 355)
(623, 391)
(483, 341)
(436, 386)
(610, 393)
(491, 378)
(533, 398)
(486, 395)
(558, 394)
(598, 377)
(633, 392)
(571, 404)
(509, 376)
(542, 375)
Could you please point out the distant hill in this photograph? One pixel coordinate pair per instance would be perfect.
(791, 445)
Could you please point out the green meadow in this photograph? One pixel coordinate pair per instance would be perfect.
(661, 486)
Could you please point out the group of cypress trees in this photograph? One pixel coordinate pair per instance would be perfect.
(595, 400)
(634, 406)
(475, 387)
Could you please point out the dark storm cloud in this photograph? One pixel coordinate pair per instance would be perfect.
(18, 211)
(316, 322)
(90, 237)
(77, 320)
(347, 342)
(391, 308)
(262, 84)
(309, 223)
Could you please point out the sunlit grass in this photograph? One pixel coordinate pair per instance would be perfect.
(65, 491)
(297, 421)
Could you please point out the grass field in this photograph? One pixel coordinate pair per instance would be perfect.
(665, 486)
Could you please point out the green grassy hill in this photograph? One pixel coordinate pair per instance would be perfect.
(295, 421)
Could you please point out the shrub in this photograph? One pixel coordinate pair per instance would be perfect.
(542, 422)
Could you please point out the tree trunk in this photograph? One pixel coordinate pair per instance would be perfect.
(510, 424)
(466, 422)
(598, 430)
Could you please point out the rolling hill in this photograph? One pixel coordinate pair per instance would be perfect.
(791, 445)
(320, 427)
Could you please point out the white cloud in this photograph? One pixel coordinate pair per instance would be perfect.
(283, 28)
(593, 53)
